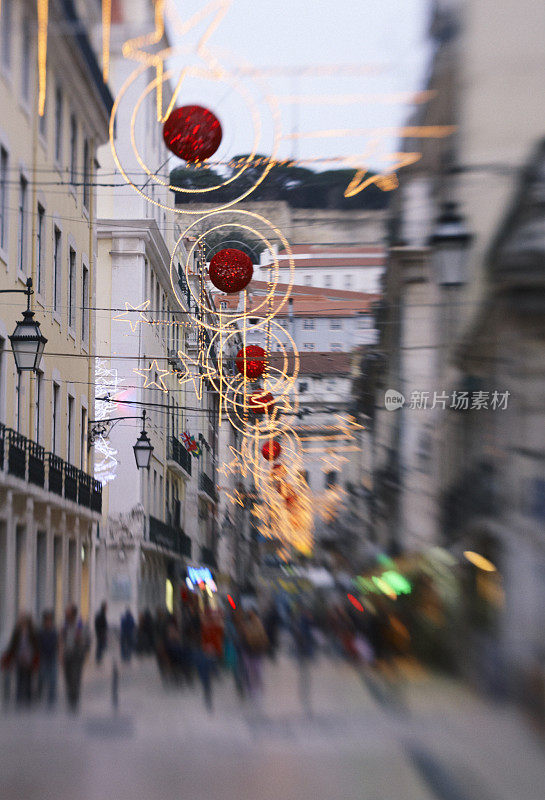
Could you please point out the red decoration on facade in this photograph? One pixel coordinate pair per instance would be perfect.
(260, 403)
(192, 133)
(254, 356)
(231, 270)
(271, 450)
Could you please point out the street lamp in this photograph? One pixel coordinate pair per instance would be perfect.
(27, 341)
(143, 447)
(450, 240)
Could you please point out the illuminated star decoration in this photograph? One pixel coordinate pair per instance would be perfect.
(161, 375)
(125, 316)
(195, 370)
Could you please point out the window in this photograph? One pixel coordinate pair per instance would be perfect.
(2, 379)
(38, 401)
(336, 347)
(86, 174)
(40, 248)
(303, 386)
(364, 323)
(58, 124)
(21, 242)
(70, 433)
(335, 324)
(308, 280)
(56, 421)
(83, 440)
(71, 288)
(6, 18)
(3, 196)
(327, 281)
(308, 324)
(308, 346)
(348, 282)
(57, 269)
(84, 304)
(73, 149)
(330, 479)
(17, 401)
(26, 58)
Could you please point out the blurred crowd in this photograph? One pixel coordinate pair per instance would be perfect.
(195, 647)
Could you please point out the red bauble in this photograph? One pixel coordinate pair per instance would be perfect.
(260, 403)
(192, 133)
(254, 357)
(271, 450)
(231, 270)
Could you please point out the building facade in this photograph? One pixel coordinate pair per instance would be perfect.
(49, 502)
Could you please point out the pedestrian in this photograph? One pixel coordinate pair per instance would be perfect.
(272, 623)
(22, 654)
(254, 645)
(101, 632)
(303, 636)
(127, 635)
(74, 648)
(48, 643)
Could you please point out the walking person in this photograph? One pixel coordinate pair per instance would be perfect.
(127, 635)
(101, 632)
(303, 638)
(74, 648)
(254, 645)
(48, 644)
(22, 654)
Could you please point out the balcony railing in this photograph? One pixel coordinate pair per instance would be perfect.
(206, 484)
(169, 536)
(28, 461)
(178, 453)
(475, 495)
(208, 557)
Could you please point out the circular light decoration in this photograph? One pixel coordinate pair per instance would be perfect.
(192, 133)
(231, 270)
(251, 358)
(260, 403)
(271, 450)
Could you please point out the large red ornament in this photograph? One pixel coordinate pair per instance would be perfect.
(260, 403)
(192, 133)
(253, 356)
(271, 450)
(231, 270)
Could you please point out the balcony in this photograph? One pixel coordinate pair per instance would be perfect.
(208, 557)
(178, 454)
(170, 537)
(474, 496)
(206, 485)
(28, 461)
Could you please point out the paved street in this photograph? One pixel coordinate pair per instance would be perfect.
(430, 738)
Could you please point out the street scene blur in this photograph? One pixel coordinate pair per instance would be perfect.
(272, 360)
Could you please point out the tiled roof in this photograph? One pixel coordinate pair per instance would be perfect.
(320, 363)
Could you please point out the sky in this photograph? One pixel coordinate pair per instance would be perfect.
(388, 36)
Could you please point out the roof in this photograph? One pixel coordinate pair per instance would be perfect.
(310, 291)
(308, 301)
(320, 363)
(335, 248)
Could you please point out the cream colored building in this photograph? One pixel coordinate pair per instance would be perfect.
(49, 503)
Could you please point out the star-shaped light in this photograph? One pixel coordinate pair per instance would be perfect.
(125, 316)
(161, 375)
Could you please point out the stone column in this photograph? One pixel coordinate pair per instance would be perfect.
(30, 565)
(49, 561)
(11, 583)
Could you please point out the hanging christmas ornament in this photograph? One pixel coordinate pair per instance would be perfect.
(260, 403)
(271, 450)
(192, 133)
(231, 270)
(253, 356)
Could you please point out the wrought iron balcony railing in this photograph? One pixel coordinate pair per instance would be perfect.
(178, 453)
(206, 484)
(27, 460)
(169, 536)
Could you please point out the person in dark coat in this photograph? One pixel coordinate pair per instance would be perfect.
(23, 655)
(127, 635)
(74, 649)
(48, 643)
(101, 632)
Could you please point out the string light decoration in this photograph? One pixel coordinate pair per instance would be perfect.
(261, 402)
(231, 270)
(192, 133)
